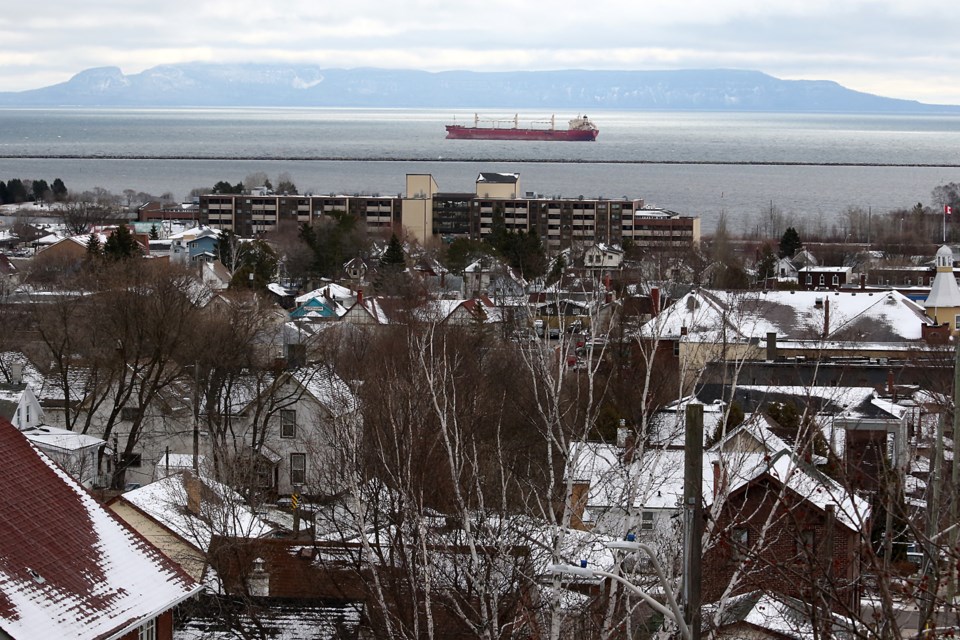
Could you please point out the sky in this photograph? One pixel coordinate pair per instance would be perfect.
(894, 48)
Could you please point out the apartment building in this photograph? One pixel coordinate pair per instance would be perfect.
(425, 212)
(256, 213)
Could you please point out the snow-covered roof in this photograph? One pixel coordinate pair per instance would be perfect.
(503, 178)
(653, 479)
(221, 510)
(69, 568)
(334, 291)
(712, 316)
(47, 437)
(778, 615)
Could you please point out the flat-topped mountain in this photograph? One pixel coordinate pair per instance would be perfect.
(287, 85)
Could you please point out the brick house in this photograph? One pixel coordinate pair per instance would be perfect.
(785, 527)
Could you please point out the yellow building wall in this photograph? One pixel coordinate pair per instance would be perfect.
(945, 315)
(416, 213)
(498, 190)
(187, 556)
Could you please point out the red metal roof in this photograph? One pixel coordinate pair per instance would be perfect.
(68, 567)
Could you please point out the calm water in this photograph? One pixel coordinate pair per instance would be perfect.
(811, 167)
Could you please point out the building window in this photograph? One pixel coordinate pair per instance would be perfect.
(836, 280)
(131, 461)
(805, 544)
(288, 423)
(821, 280)
(809, 279)
(129, 414)
(148, 630)
(646, 521)
(298, 468)
(739, 540)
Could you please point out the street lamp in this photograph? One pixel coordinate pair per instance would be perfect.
(673, 613)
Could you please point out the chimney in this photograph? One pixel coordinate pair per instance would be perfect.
(627, 440)
(606, 281)
(629, 447)
(360, 296)
(654, 302)
(717, 478)
(891, 388)
(826, 316)
(258, 582)
(863, 281)
(192, 484)
(771, 346)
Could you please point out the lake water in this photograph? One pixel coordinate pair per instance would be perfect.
(811, 167)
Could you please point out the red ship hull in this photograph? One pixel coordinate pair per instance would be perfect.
(459, 132)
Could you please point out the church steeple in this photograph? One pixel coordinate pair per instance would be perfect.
(943, 303)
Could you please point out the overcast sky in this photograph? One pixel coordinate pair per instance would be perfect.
(895, 48)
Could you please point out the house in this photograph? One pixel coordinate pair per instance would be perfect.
(193, 244)
(287, 429)
(356, 270)
(214, 275)
(480, 310)
(819, 277)
(329, 302)
(769, 616)
(77, 453)
(709, 325)
(367, 311)
(18, 403)
(180, 513)
(765, 507)
(602, 257)
(781, 525)
(68, 567)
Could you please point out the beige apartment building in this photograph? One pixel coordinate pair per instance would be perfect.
(425, 213)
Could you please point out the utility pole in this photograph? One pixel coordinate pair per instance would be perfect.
(954, 475)
(931, 555)
(693, 517)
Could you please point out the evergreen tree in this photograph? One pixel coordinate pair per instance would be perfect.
(766, 263)
(4, 194)
(121, 244)
(154, 234)
(94, 250)
(59, 190)
(393, 258)
(790, 243)
(16, 191)
(40, 189)
(257, 265)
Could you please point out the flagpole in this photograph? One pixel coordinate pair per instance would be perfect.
(947, 210)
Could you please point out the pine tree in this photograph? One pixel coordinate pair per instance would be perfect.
(94, 250)
(154, 234)
(121, 244)
(393, 258)
(790, 243)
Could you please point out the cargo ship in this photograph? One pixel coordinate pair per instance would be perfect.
(578, 129)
